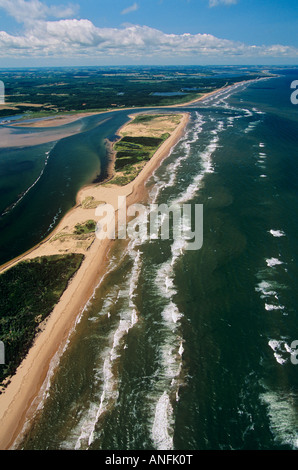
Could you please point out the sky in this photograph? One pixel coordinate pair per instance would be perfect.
(148, 32)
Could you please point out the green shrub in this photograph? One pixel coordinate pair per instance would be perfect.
(28, 293)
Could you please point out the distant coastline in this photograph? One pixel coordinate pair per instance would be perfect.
(62, 118)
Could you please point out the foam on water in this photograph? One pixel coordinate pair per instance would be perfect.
(7, 211)
(270, 307)
(55, 218)
(273, 262)
(269, 292)
(171, 315)
(106, 376)
(160, 430)
(277, 233)
(171, 170)
(107, 305)
(206, 167)
(283, 417)
(251, 126)
(282, 351)
(170, 380)
(171, 351)
(266, 289)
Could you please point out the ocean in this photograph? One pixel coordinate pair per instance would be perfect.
(193, 350)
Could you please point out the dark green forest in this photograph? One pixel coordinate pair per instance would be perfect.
(100, 88)
(28, 293)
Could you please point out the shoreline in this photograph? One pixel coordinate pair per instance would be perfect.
(67, 119)
(53, 121)
(21, 398)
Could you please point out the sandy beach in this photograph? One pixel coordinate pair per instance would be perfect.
(201, 98)
(23, 394)
(215, 92)
(55, 121)
(62, 120)
(10, 139)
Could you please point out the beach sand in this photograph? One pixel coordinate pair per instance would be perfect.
(61, 120)
(9, 138)
(215, 92)
(23, 394)
(56, 121)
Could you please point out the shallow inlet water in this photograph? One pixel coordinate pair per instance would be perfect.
(192, 350)
(38, 184)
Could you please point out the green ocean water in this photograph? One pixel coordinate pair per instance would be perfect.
(191, 350)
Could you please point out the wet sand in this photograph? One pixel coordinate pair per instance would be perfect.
(10, 138)
(56, 121)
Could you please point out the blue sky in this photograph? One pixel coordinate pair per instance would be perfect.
(111, 32)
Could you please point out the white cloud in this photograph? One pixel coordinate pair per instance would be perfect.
(130, 9)
(25, 11)
(215, 3)
(73, 38)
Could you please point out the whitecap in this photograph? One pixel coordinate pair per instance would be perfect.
(190, 137)
(161, 434)
(109, 389)
(277, 233)
(282, 414)
(273, 262)
(276, 346)
(270, 307)
(266, 289)
(171, 313)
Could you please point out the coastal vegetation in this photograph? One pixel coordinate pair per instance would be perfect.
(91, 203)
(132, 153)
(48, 91)
(140, 140)
(76, 239)
(28, 293)
(87, 227)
